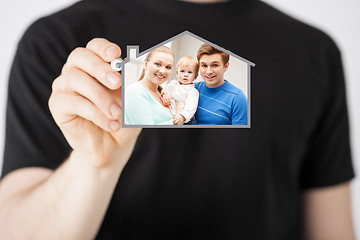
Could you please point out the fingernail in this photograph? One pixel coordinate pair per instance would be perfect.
(110, 51)
(112, 78)
(115, 110)
(114, 125)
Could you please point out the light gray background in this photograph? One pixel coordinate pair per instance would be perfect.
(340, 19)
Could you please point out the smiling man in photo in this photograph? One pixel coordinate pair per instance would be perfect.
(220, 102)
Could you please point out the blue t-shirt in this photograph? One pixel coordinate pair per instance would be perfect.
(224, 105)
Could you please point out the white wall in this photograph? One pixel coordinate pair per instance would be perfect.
(340, 19)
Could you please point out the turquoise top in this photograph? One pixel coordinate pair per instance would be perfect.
(141, 108)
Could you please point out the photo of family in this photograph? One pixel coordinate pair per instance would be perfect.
(186, 82)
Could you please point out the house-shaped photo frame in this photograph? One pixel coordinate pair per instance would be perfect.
(128, 70)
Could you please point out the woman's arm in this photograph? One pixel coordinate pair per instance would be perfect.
(328, 213)
(138, 109)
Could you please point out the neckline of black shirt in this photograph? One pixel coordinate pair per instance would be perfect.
(201, 11)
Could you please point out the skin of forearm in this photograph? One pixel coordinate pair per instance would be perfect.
(328, 213)
(69, 204)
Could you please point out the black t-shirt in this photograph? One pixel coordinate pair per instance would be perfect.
(199, 183)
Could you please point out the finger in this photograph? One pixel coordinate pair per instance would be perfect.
(81, 83)
(66, 108)
(89, 62)
(108, 51)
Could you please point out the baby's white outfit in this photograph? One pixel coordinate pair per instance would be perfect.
(185, 94)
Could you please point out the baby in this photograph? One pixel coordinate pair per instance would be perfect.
(182, 94)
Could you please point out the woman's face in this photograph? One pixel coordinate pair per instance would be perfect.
(159, 67)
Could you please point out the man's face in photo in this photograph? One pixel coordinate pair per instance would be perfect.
(212, 70)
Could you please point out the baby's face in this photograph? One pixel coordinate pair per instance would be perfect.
(186, 74)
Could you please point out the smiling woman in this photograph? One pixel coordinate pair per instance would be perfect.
(143, 105)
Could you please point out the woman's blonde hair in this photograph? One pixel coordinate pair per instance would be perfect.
(162, 49)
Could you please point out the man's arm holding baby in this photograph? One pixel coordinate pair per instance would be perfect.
(239, 110)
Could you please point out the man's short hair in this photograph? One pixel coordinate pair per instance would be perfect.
(207, 49)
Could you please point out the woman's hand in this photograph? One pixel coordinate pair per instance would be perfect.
(166, 99)
(86, 103)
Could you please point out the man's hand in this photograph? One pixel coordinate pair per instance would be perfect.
(179, 119)
(166, 99)
(72, 200)
(86, 103)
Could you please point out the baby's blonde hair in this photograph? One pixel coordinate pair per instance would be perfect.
(188, 61)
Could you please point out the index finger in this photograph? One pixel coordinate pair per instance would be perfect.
(105, 49)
